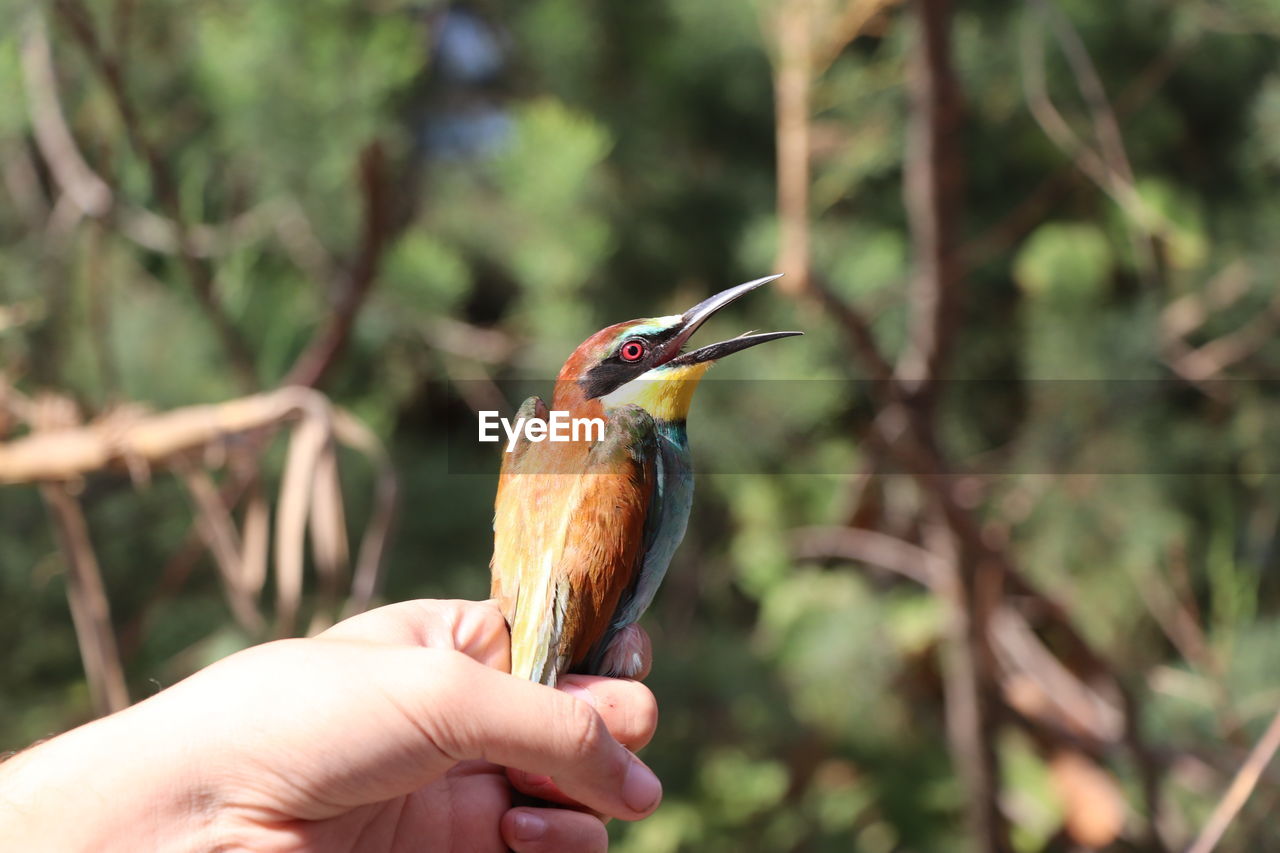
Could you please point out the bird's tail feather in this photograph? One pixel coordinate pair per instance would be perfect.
(536, 631)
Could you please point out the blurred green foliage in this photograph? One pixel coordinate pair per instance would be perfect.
(615, 160)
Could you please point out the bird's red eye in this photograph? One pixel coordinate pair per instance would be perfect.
(632, 351)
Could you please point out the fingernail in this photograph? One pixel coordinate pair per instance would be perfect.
(581, 692)
(641, 790)
(529, 826)
(536, 780)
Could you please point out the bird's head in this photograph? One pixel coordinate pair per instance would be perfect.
(643, 361)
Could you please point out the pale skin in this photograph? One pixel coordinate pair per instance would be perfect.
(388, 732)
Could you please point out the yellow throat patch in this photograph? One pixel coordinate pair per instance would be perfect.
(665, 393)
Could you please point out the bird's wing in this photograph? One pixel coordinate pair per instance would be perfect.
(569, 539)
(510, 511)
(665, 525)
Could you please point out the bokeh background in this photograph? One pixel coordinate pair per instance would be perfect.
(988, 560)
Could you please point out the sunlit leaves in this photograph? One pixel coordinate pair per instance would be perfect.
(1065, 262)
(297, 96)
(550, 231)
(425, 276)
(13, 112)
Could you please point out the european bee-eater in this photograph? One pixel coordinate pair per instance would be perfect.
(584, 530)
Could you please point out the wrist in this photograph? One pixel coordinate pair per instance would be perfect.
(117, 783)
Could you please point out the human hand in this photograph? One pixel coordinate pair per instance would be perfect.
(389, 731)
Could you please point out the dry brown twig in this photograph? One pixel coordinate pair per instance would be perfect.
(1202, 365)
(932, 196)
(111, 71)
(91, 194)
(1040, 202)
(1068, 715)
(1108, 165)
(972, 584)
(217, 529)
(331, 337)
(793, 94)
(1209, 361)
(808, 35)
(310, 497)
(1019, 651)
(136, 441)
(73, 175)
(90, 607)
(1061, 708)
(871, 547)
(22, 181)
(1238, 792)
(94, 197)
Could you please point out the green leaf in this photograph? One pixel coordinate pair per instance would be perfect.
(1065, 261)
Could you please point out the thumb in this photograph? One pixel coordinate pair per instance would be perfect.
(353, 723)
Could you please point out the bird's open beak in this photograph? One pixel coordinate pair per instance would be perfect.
(698, 314)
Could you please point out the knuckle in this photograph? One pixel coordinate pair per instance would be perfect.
(479, 629)
(442, 686)
(488, 620)
(586, 731)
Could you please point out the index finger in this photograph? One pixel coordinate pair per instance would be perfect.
(530, 727)
(355, 723)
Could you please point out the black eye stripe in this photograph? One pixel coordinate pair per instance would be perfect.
(615, 371)
(654, 339)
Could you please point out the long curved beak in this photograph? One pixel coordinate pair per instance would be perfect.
(698, 314)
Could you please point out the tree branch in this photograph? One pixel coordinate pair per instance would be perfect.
(79, 21)
(1237, 794)
(90, 608)
(932, 177)
(793, 92)
(136, 441)
(331, 338)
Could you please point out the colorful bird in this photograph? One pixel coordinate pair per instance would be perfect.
(584, 530)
